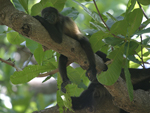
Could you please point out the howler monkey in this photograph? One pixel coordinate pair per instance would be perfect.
(57, 25)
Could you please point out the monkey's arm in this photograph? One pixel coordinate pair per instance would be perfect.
(54, 33)
(91, 72)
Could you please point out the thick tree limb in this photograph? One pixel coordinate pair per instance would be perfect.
(31, 28)
(140, 103)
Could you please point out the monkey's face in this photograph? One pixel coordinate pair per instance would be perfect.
(50, 14)
(50, 17)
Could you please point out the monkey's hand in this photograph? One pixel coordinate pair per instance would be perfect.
(63, 89)
(91, 73)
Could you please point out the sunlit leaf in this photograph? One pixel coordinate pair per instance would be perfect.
(15, 38)
(111, 75)
(134, 20)
(28, 73)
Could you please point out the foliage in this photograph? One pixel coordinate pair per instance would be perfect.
(124, 40)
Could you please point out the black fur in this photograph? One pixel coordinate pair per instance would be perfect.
(87, 99)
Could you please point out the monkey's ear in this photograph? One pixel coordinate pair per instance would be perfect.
(54, 33)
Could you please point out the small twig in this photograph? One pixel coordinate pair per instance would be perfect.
(11, 64)
(52, 72)
(137, 54)
(139, 57)
(48, 73)
(143, 11)
(100, 15)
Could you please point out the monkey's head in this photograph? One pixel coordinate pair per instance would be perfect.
(50, 14)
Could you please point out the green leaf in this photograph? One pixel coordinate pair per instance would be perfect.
(70, 12)
(145, 23)
(94, 15)
(119, 27)
(60, 102)
(58, 4)
(99, 26)
(111, 75)
(48, 57)
(134, 59)
(111, 21)
(15, 38)
(97, 18)
(111, 16)
(143, 31)
(134, 20)
(85, 8)
(146, 41)
(32, 45)
(144, 2)
(39, 54)
(28, 73)
(24, 4)
(96, 40)
(74, 90)
(47, 78)
(128, 76)
(17, 5)
(113, 41)
(128, 82)
(130, 6)
(37, 8)
(133, 45)
(67, 101)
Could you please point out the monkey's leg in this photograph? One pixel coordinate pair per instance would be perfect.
(54, 33)
(63, 72)
(91, 72)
